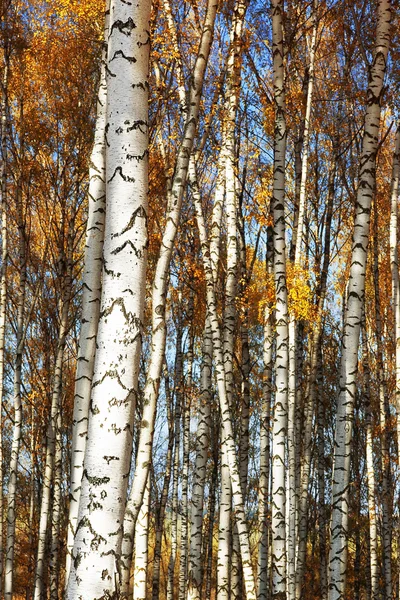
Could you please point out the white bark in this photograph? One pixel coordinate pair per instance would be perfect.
(353, 311)
(248, 577)
(96, 552)
(141, 548)
(160, 286)
(371, 484)
(280, 417)
(265, 449)
(91, 284)
(45, 505)
(17, 393)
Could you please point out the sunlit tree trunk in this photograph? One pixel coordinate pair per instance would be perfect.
(97, 545)
(248, 576)
(280, 416)
(354, 307)
(161, 278)
(164, 494)
(51, 434)
(91, 284)
(17, 397)
(204, 418)
(141, 548)
(373, 536)
(263, 590)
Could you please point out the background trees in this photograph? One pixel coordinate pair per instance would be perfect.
(273, 140)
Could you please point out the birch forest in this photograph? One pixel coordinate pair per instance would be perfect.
(199, 300)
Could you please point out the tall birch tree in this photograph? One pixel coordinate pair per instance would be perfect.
(354, 306)
(97, 544)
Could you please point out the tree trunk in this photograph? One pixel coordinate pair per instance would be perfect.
(17, 391)
(280, 416)
(164, 494)
(160, 285)
(228, 434)
(52, 427)
(91, 284)
(141, 548)
(354, 307)
(394, 263)
(97, 545)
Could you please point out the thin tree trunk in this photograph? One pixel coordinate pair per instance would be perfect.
(296, 568)
(280, 417)
(353, 312)
(141, 548)
(228, 434)
(91, 284)
(316, 341)
(265, 445)
(394, 263)
(373, 536)
(164, 494)
(17, 430)
(211, 518)
(3, 287)
(384, 416)
(56, 516)
(195, 577)
(176, 465)
(161, 279)
(52, 427)
(183, 566)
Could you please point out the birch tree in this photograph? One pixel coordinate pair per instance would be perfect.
(354, 305)
(96, 551)
(279, 427)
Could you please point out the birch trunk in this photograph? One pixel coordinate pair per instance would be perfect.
(280, 417)
(384, 416)
(176, 465)
(183, 566)
(232, 94)
(265, 445)
(17, 391)
(248, 576)
(97, 545)
(56, 514)
(45, 505)
(394, 264)
(164, 495)
(373, 537)
(91, 284)
(353, 311)
(202, 447)
(3, 287)
(160, 285)
(195, 576)
(294, 513)
(211, 517)
(141, 549)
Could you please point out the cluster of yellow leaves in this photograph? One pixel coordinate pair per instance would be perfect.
(260, 293)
